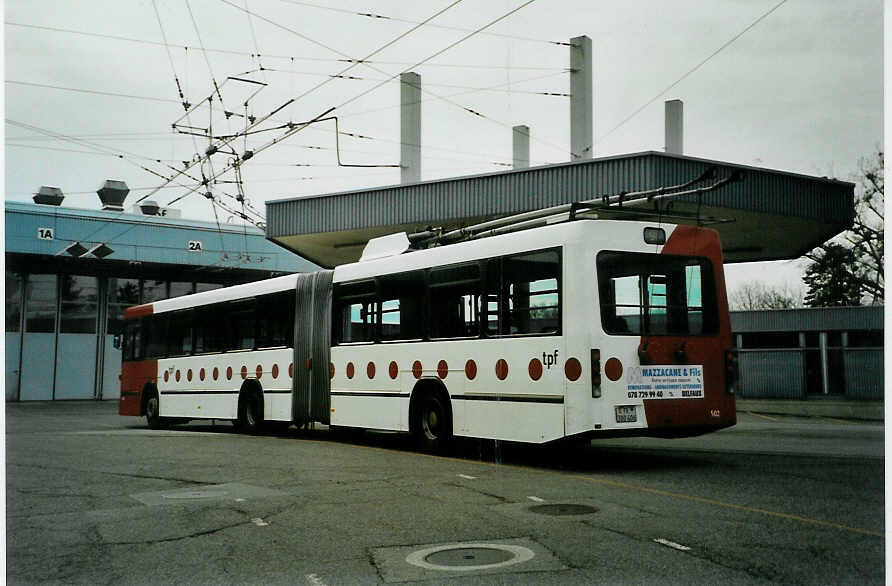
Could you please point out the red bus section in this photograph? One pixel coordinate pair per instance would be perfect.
(134, 376)
(718, 408)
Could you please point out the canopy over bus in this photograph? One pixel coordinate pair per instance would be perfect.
(767, 215)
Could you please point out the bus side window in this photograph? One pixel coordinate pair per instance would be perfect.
(355, 312)
(179, 333)
(523, 294)
(212, 328)
(402, 300)
(156, 335)
(242, 318)
(275, 320)
(455, 302)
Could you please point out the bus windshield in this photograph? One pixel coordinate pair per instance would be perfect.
(656, 294)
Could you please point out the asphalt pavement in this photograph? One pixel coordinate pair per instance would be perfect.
(94, 498)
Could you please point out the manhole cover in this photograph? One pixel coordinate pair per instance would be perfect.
(196, 494)
(469, 556)
(560, 509)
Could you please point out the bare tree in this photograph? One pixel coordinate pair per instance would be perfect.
(757, 295)
(854, 259)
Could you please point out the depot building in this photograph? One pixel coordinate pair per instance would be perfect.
(70, 273)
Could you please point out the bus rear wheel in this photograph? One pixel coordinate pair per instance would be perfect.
(250, 414)
(432, 424)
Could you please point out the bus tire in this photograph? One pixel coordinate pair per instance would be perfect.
(152, 410)
(250, 412)
(431, 422)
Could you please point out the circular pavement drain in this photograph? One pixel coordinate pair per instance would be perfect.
(464, 557)
(560, 509)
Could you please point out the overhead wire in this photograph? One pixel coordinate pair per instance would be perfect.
(301, 126)
(170, 57)
(390, 78)
(269, 56)
(405, 20)
(86, 91)
(690, 71)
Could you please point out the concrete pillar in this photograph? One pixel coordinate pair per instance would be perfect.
(674, 127)
(410, 127)
(521, 143)
(825, 370)
(581, 111)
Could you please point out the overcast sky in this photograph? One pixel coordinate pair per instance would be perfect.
(802, 90)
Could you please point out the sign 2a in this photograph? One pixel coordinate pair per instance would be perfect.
(195, 246)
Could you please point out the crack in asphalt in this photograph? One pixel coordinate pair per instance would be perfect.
(124, 474)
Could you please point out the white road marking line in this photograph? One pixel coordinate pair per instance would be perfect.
(239, 500)
(536, 499)
(672, 544)
(465, 476)
(259, 522)
(314, 580)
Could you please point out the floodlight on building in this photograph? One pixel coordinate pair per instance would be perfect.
(101, 250)
(75, 249)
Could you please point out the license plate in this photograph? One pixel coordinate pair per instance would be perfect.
(626, 414)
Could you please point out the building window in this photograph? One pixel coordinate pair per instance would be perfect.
(153, 291)
(202, 287)
(40, 304)
(80, 295)
(13, 301)
(179, 288)
(122, 293)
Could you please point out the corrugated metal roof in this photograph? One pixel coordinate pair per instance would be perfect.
(148, 239)
(491, 194)
(808, 319)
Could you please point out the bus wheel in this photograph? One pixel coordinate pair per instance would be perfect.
(153, 412)
(432, 425)
(250, 414)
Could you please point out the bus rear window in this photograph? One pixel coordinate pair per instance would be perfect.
(656, 294)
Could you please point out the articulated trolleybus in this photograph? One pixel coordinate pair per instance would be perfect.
(572, 328)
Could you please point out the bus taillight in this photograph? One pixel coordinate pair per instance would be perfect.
(732, 373)
(596, 373)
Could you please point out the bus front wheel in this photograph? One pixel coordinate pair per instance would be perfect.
(432, 424)
(153, 412)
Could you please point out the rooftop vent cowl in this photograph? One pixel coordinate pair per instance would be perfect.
(112, 194)
(51, 196)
